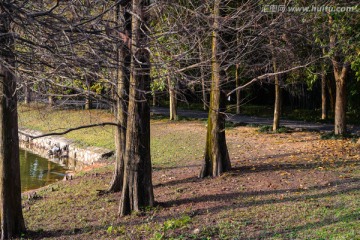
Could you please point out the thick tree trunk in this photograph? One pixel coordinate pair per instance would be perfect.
(12, 221)
(324, 109)
(122, 92)
(173, 100)
(137, 191)
(341, 68)
(340, 102)
(238, 91)
(277, 105)
(216, 160)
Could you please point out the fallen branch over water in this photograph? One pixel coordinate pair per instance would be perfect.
(69, 130)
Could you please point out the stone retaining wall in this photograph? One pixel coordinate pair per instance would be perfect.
(41, 146)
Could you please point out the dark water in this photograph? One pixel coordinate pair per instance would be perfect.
(37, 172)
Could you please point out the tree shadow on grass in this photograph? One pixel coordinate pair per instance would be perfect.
(332, 188)
(228, 197)
(256, 168)
(158, 168)
(312, 225)
(248, 169)
(179, 181)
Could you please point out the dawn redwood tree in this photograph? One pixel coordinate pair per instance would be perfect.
(137, 191)
(12, 221)
(216, 160)
(122, 91)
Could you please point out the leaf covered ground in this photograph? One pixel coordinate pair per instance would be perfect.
(283, 186)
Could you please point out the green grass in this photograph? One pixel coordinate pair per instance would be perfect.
(48, 120)
(169, 148)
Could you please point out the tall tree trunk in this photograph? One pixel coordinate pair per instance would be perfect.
(324, 109)
(173, 100)
(277, 105)
(202, 76)
(122, 92)
(137, 191)
(340, 102)
(340, 71)
(238, 91)
(216, 160)
(12, 221)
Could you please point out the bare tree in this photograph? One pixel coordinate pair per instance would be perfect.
(137, 189)
(217, 158)
(12, 222)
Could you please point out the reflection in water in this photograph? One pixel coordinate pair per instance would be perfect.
(37, 171)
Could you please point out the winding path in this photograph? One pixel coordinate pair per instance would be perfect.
(301, 125)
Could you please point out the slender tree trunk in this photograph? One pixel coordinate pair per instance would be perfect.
(50, 101)
(122, 92)
(330, 88)
(238, 92)
(277, 106)
(87, 101)
(27, 93)
(12, 221)
(173, 100)
(324, 109)
(137, 191)
(202, 76)
(216, 160)
(154, 99)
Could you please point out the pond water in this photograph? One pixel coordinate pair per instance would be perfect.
(36, 172)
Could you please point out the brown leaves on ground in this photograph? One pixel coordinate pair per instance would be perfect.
(277, 181)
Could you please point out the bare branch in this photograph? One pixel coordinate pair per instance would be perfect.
(70, 130)
(267, 75)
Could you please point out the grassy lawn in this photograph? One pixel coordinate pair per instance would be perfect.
(282, 186)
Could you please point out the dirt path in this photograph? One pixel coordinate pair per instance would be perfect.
(259, 120)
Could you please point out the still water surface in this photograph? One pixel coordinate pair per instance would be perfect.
(37, 172)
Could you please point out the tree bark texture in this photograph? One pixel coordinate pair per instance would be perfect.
(137, 191)
(340, 101)
(216, 159)
(202, 76)
(122, 91)
(341, 68)
(12, 221)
